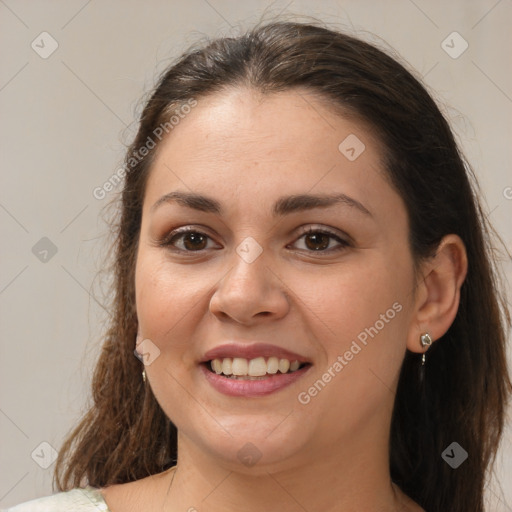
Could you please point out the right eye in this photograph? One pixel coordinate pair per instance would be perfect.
(192, 240)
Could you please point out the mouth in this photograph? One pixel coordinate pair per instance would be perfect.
(257, 377)
(259, 368)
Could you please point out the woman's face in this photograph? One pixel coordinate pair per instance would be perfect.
(247, 283)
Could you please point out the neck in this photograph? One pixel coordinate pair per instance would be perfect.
(351, 479)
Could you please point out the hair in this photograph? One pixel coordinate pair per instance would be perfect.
(126, 436)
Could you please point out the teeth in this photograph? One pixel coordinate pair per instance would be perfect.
(272, 365)
(257, 367)
(284, 365)
(217, 366)
(227, 366)
(253, 369)
(240, 366)
(294, 366)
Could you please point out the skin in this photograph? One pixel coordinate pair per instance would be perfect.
(246, 151)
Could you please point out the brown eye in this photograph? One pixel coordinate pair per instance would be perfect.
(192, 240)
(317, 240)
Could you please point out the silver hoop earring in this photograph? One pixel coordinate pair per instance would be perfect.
(425, 341)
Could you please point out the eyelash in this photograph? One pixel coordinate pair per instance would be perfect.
(179, 233)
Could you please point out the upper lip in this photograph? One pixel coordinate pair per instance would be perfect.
(251, 351)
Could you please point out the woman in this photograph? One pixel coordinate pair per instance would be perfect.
(303, 271)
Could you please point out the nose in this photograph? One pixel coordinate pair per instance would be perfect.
(250, 292)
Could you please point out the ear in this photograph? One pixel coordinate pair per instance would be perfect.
(438, 292)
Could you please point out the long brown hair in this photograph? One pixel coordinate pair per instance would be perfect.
(126, 436)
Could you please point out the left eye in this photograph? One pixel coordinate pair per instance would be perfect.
(316, 240)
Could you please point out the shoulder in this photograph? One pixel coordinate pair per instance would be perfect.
(145, 494)
(88, 499)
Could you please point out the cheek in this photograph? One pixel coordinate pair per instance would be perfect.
(160, 299)
(152, 294)
(365, 314)
(358, 299)
(168, 298)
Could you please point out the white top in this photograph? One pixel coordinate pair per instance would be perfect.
(88, 499)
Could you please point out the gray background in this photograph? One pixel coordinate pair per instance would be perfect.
(64, 121)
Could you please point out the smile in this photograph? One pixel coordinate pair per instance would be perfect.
(239, 367)
(252, 377)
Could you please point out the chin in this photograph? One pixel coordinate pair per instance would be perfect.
(251, 449)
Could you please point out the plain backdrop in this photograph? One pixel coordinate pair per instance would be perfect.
(65, 117)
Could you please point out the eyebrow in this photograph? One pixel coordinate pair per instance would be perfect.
(284, 205)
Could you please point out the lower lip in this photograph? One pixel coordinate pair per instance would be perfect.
(252, 388)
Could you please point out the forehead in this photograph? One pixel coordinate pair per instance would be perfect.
(244, 123)
(253, 144)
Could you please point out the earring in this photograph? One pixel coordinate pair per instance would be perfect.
(425, 341)
(144, 375)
